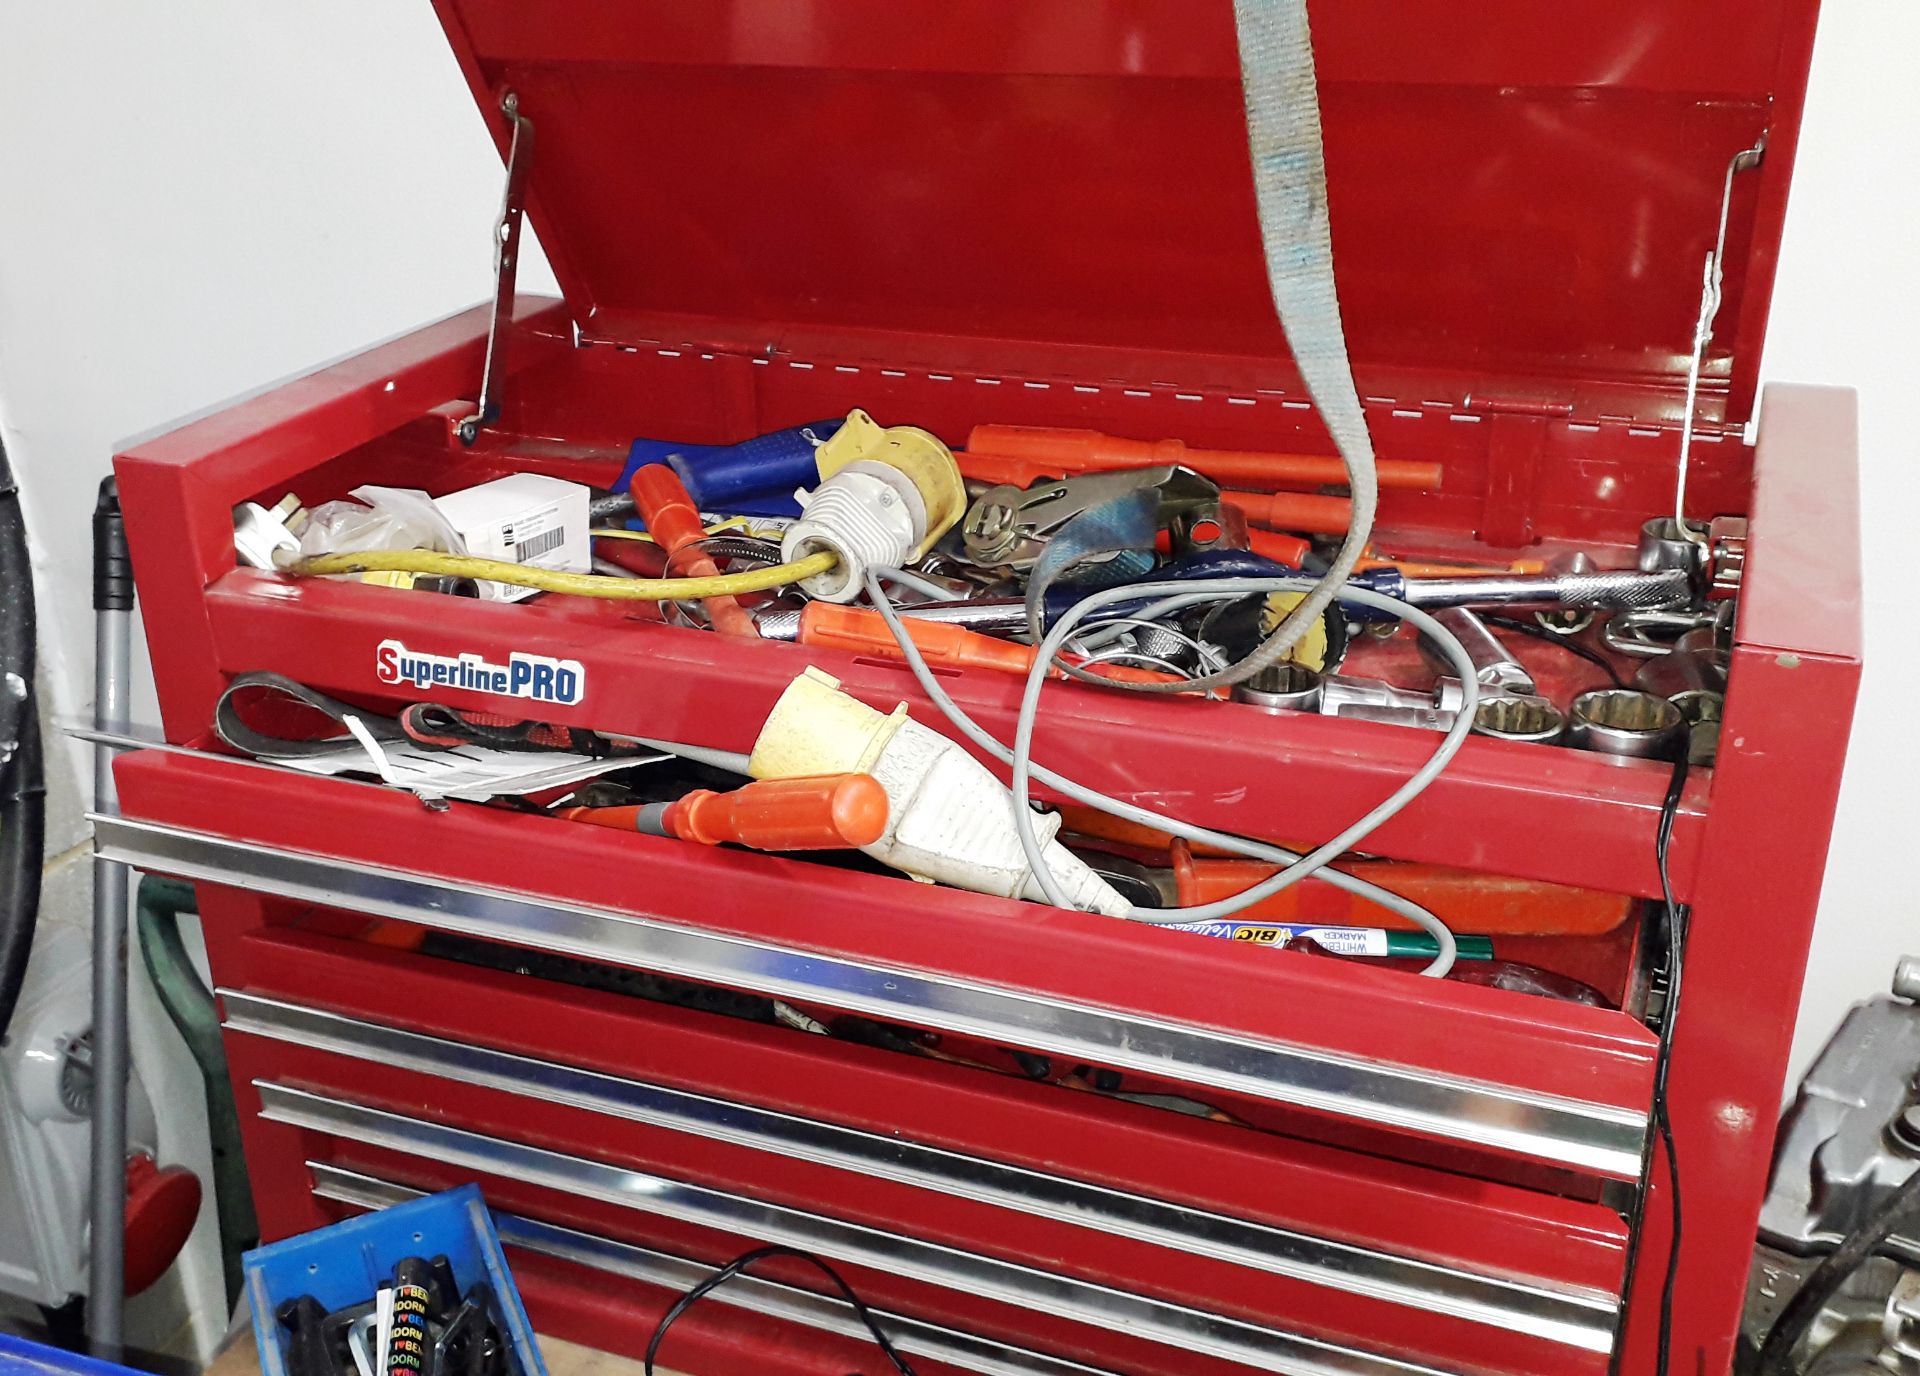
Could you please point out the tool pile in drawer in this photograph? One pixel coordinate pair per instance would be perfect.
(1045, 554)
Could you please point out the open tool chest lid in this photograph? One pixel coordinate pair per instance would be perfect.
(1522, 196)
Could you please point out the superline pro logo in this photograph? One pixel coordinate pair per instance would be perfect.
(535, 677)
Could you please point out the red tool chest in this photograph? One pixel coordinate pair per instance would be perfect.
(1002, 212)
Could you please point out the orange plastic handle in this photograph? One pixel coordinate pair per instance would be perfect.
(1481, 904)
(674, 523)
(1421, 568)
(861, 631)
(820, 812)
(1089, 451)
(825, 812)
(1290, 550)
(666, 506)
(1001, 469)
(1308, 511)
(1087, 821)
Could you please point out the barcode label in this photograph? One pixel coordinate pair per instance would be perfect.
(543, 543)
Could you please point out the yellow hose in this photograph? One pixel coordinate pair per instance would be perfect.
(573, 584)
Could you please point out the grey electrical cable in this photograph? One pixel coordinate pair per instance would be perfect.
(1135, 659)
(1443, 755)
(1150, 615)
(926, 587)
(1238, 845)
(1413, 912)
(1109, 631)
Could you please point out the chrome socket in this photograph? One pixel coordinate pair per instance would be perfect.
(1624, 721)
(1727, 565)
(1519, 717)
(1493, 663)
(1702, 708)
(1285, 687)
(1365, 699)
(1665, 545)
(1692, 667)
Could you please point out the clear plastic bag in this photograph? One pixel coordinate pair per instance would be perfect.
(383, 518)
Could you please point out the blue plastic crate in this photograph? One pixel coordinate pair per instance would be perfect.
(344, 1264)
(18, 1357)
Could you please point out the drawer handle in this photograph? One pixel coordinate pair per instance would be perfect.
(966, 1351)
(1598, 1138)
(1025, 1287)
(1582, 1319)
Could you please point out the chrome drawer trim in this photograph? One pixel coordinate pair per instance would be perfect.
(1577, 1318)
(1006, 1282)
(1582, 1135)
(749, 1292)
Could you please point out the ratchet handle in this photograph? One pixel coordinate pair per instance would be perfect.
(1212, 563)
(1621, 591)
(822, 812)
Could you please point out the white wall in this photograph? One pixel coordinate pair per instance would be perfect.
(196, 200)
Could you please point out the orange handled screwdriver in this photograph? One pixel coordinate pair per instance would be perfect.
(823, 812)
(865, 632)
(674, 523)
(1321, 515)
(1308, 511)
(1002, 470)
(1290, 550)
(1089, 451)
(1467, 902)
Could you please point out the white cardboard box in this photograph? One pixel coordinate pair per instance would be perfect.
(527, 518)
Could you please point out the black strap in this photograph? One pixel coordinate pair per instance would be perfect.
(236, 733)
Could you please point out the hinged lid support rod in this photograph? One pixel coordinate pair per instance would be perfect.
(1703, 332)
(506, 263)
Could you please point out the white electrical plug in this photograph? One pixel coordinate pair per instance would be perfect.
(884, 497)
(949, 820)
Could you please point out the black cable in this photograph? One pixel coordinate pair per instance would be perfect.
(1572, 647)
(738, 1266)
(22, 788)
(1662, 1116)
(1825, 1280)
(23, 817)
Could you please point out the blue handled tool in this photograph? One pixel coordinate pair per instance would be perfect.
(755, 477)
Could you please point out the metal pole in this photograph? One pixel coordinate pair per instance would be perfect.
(106, 1247)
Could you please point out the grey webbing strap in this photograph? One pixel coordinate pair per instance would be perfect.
(1290, 183)
(1290, 188)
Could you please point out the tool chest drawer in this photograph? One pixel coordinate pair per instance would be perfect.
(1046, 1140)
(1536, 1082)
(570, 1092)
